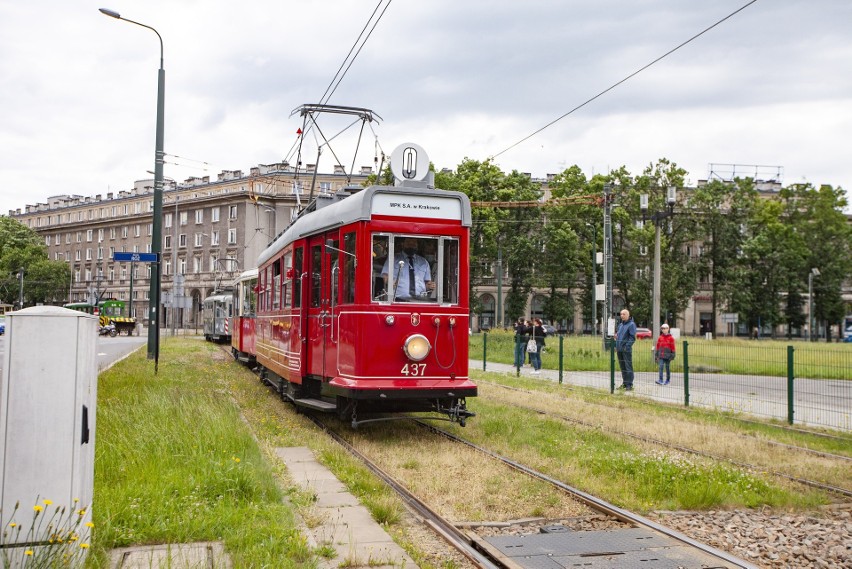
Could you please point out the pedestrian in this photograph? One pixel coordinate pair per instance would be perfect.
(538, 333)
(624, 339)
(665, 353)
(522, 336)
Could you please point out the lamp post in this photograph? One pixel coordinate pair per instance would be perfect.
(814, 273)
(156, 237)
(658, 217)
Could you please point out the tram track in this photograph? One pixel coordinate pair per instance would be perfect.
(836, 490)
(479, 551)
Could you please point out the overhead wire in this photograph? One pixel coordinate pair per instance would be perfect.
(635, 73)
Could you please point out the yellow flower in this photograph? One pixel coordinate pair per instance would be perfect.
(37, 508)
(29, 552)
(81, 513)
(48, 502)
(13, 524)
(235, 459)
(90, 525)
(84, 546)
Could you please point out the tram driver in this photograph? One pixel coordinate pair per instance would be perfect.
(411, 272)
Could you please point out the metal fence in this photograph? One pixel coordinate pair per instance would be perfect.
(800, 383)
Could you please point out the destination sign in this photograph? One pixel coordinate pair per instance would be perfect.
(434, 207)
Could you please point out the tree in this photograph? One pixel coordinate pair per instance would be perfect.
(45, 281)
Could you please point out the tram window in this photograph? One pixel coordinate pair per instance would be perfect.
(276, 284)
(417, 258)
(249, 299)
(450, 271)
(348, 275)
(297, 278)
(316, 275)
(380, 255)
(287, 298)
(334, 255)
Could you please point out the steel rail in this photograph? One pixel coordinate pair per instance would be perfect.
(803, 481)
(449, 532)
(597, 503)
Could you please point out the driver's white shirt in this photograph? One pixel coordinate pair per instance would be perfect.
(422, 273)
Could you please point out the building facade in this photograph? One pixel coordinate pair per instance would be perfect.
(212, 231)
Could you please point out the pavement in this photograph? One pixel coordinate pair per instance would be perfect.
(344, 526)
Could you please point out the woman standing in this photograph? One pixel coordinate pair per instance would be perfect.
(522, 336)
(538, 334)
(665, 353)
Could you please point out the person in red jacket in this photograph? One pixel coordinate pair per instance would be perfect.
(665, 353)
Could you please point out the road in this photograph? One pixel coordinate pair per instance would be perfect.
(109, 350)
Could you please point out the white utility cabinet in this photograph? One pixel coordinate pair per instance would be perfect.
(47, 415)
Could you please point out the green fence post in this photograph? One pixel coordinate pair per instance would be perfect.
(484, 349)
(790, 362)
(561, 338)
(612, 366)
(686, 373)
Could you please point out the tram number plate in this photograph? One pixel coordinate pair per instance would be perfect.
(413, 369)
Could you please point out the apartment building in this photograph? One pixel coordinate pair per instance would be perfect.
(212, 230)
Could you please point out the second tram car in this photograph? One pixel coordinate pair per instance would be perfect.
(217, 311)
(362, 303)
(245, 307)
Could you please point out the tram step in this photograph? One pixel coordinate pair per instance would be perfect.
(317, 404)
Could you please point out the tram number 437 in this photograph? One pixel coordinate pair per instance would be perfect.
(413, 369)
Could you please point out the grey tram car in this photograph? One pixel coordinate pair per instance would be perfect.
(217, 312)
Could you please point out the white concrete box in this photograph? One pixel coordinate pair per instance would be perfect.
(47, 418)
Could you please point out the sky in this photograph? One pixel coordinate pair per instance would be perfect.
(769, 87)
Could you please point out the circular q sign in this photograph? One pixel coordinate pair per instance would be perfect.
(409, 162)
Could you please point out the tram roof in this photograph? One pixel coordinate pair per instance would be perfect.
(352, 208)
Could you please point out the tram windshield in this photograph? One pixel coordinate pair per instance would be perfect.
(415, 268)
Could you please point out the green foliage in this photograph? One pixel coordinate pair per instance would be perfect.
(45, 281)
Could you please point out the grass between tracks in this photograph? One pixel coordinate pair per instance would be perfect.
(187, 456)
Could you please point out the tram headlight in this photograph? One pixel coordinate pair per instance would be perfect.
(416, 347)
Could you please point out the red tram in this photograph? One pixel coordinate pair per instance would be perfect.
(362, 303)
(245, 309)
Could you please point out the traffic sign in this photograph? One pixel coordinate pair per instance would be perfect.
(135, 257)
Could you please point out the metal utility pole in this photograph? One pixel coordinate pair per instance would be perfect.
(499, 286)
(21, 293)
(157, 234)
(658, 217)
(607, 245)
(814, 273)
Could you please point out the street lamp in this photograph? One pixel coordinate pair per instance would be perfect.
(156, 237)
(814, 273)
(658, 217)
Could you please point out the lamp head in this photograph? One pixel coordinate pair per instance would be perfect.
(671, 195)
(643, 202)
(110, 13)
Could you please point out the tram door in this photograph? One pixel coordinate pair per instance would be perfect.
(321, 354)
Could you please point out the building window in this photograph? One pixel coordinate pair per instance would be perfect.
(89, 254)
(199, 216)
(112, 232)
(47, 240)
(77, 255)
(182, 265)
(167, 267)
(57, 239)
(168, 220)
(168, 242)
(183, 217)
(112, 252)
(214, 260)
(79, 237)
(138, 230)
(67, 238)
(182, 240)
(214, 214)
(89, 236)
(100, 253)
(199, 240)
(214, 238)
(196, 264)
(325, 187)
(232, 212)
(100, 235)
(232, 236)
(124, 232)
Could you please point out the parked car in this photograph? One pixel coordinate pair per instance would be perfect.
(643, 333)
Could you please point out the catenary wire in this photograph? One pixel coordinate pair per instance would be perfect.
(635, 73)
